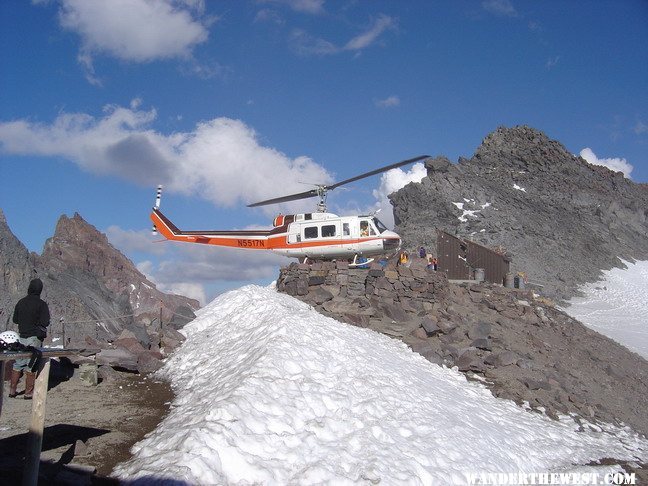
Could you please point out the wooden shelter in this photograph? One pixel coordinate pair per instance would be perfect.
(462, 259)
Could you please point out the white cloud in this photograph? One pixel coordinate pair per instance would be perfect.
(188, 289)
(500, 7)
(270, 16)
(305, 44)
(303, 6)
(640, 127)
(380, 25)
(129, 241)
(552, 62)
(220, 160)
(133, 30)
(198, 268)
(391, 181)
(389, 102)
(615, 164)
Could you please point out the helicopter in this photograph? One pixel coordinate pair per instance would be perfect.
(319, 235)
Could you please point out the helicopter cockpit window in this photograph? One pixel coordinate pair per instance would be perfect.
(366, 229)
(328, 231)
(310, 232)
(379, 224)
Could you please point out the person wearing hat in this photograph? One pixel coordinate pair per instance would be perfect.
(32, 316)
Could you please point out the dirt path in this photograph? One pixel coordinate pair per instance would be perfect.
(85, 426)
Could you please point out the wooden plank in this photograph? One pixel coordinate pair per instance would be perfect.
(35, 435)
(47, 353)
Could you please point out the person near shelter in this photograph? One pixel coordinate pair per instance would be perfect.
(422, 252)
(32, 316)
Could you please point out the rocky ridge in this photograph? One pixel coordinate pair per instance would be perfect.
(520, 346)
(561, 219)
(97, 297)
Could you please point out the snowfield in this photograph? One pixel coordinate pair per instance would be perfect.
(617, 306)
(268, 391)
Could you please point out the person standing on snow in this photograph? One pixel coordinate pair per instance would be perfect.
(32, 316)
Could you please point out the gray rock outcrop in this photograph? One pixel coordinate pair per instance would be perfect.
(562, 219)
(520, 346)
(94, 294)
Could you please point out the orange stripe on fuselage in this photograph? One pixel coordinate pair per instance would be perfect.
(251, 241)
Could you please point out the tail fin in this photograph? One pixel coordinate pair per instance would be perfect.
(158, 199)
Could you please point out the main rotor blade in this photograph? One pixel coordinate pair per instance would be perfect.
(292, 197)
(315, 192)
(378, 171)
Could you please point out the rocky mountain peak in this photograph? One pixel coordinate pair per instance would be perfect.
(522, 147)
(79, 246)
(87, 282)
(562, 219)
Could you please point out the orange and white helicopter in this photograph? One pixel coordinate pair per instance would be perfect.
(308, 236)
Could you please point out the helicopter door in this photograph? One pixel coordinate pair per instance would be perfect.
(348, 243)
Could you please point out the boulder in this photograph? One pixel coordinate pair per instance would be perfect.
(482, 343)
(88, 374)
(467, 359)
(430, 326)
(505, 358)
(131, 344)
(480, 331)
(148, 362)
(319, 295)
(181, 316)
(118, 358)
(107, 373)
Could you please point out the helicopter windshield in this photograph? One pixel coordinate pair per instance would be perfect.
(381, 227)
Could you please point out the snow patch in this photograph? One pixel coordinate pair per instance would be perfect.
(617, 306)
(469, 212)
(518, 188)
(268, 391)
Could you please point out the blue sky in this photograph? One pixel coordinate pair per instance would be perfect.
(230, 102)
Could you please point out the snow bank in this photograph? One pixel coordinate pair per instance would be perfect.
(617, 306)
(271, 392)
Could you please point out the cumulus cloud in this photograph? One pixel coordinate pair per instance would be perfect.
(133, 30)
(129, 241)
(305, 44)
(616, 164)
(220, 160)
(197, 271)
(391, 181)
(500, 7)
(193, 270)
(389, 102)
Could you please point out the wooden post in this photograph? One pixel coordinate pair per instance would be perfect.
(2, 374)
(35, 435)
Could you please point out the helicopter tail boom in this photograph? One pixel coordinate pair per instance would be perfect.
(249, 239)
